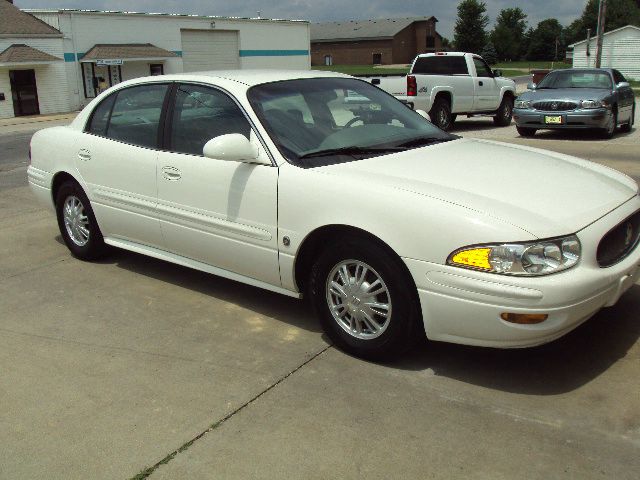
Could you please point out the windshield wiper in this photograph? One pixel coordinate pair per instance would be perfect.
(352, 150)
(420, 141)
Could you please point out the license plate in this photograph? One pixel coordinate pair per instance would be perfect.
(555, 119)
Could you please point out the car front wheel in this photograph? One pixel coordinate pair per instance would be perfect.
(77, 223)
(610, 130)
(366, 302)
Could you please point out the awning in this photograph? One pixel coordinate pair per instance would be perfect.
(20, 54)
(117, 53)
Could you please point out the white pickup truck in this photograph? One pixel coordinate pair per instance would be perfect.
(447, 84)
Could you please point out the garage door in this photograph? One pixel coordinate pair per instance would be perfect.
(205, 50)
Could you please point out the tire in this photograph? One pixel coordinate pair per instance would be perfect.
(610, 130)
(398, 324)
(627, 127)
(440, 114)
(79, 229)
(526, 132)
(504, 114)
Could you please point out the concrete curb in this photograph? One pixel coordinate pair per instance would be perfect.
(5, 122)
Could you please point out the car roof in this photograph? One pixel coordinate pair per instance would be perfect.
(246, 77)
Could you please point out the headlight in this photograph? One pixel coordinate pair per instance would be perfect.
(523, 104)
(593, 104)
(522, 259)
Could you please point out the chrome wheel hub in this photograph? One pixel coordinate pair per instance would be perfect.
(76, 221)
(358, 299)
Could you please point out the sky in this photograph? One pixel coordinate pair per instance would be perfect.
(327, 10)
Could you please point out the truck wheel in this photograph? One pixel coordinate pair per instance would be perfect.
(440, 114)
(504, 113)
(526, 132)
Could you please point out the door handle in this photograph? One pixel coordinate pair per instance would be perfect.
(171, 173)
(481, 83)
(84, 155)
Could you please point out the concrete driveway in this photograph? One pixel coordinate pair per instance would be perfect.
(135, 368)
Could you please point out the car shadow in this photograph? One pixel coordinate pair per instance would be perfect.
(557, 367)
(263, 302)
(576, 135)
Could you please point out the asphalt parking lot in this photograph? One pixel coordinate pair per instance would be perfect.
(132, 366)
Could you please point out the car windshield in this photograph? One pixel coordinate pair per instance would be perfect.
(576, 79)
(320, 121)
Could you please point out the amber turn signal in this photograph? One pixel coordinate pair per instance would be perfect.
(524, 318)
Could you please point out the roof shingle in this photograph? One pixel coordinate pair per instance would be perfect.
(19, 53)
(361, 29)
(14, 21)
(126, 50)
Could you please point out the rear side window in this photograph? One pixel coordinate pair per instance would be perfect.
(136, 115)
(201, 114)
(100, 117)
(441, 65)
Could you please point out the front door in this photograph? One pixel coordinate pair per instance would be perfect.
(487, 91)
(24, 92)
(219, 212)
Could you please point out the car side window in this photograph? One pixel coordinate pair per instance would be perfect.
(100, 117)
(136, 115)
(482, 69)
(618, 77)
(201, 114)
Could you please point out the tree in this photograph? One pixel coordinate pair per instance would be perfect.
(470, 33)
(489, 54)
(619, 14)
(542, 45)
(508, 34)
(446, 45)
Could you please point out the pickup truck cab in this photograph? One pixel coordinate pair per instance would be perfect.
(447, 84)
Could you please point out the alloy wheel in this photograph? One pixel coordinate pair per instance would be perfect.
(76, 221)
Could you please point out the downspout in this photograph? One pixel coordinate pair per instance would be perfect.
(79, 72)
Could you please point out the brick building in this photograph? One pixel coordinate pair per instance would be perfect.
(367, 42)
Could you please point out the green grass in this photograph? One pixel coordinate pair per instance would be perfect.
(532, 65)
(362, 69)
(512, 73)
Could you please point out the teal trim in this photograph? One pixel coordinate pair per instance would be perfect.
(177, 52)
(71, 57)
(272, 53)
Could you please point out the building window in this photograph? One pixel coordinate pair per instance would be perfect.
(156, 69)
(328, 60)
(431, 42)
(377, 58)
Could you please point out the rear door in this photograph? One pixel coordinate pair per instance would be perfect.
(487, 91)
(117, 157)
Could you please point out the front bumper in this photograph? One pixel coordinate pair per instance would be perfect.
(575, 119)
(464, 306)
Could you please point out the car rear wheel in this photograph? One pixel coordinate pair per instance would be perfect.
(526, 132)
(505, 112)
(366, 302)
(440, 114)
(77, 223)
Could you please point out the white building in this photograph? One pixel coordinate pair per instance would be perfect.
(93, 50)
(620, 50)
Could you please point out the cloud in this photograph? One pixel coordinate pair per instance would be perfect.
(326, 10)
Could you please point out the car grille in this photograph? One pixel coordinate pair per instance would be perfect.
(555, 106)
(620, 241)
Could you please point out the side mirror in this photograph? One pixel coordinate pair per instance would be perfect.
(623, 85)
(497, 73)
(424, 114)
(233, 147)
(531, 86)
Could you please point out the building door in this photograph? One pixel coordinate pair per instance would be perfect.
(204, 50)
(377, 58)
(24, 92)
(328, 60)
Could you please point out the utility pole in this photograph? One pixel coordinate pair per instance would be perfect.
(601, 17)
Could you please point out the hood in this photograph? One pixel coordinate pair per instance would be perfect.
(575, 94)
(543, 193)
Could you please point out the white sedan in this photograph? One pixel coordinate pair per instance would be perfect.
(391, 227)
